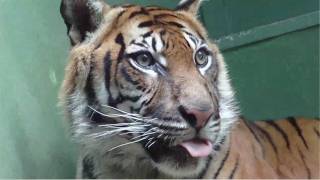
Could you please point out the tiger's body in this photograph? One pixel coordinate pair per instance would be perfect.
(148, 96)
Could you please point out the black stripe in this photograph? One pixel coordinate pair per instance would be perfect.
(248, 124)
(234, 169)
(159, 16)
(191, 36)
(140, 44)
(119, 16)
(107, 76)
(127, 77)
(155, 8)
(175, 24)
(162, 33)
(194, 40)
(305, 164)
(222, 140)
(217, 147)
(107, 71)
(146, 24)
(187, 42)
(269, 138)
(281, 131)
(122, 98)
(201, 37)
(130, 98)
(317, 132)
(161, 69)
(151, 99)
(203, 172)
(114, 102)
(119, 40)
(222, 164)
(294, 124)
(154, 44)
(89, 91)
(88, 168)
(97, 118)
(142, 11)
(147, 102)
(147, 34)
(139, 87)
(185, 5)
(215, 124)
(188, 33)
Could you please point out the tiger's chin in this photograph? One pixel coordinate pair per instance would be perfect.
(176, 161)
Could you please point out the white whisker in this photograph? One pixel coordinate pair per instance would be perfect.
(123, 124)
(128, 143)
(119, 110)
(128, 116)
(149, 141)
(152, 144)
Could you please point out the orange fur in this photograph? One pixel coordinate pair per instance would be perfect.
(258, 161)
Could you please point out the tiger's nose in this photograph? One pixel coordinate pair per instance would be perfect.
(195, 117)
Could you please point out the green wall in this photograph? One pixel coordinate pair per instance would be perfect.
(271, 47)
(33, 51)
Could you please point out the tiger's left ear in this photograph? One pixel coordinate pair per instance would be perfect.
(191, 6)
(82, 17)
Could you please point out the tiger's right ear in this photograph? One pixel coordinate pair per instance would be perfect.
(191, 6)
(82, 17)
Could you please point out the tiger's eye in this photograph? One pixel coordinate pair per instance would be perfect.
(144, 60)
(202, 57)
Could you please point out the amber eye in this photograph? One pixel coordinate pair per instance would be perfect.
(202, 57)
(145, 60)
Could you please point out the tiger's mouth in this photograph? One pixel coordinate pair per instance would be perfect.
(185, 152)
(197, 147)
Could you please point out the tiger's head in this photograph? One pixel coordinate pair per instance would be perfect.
(146, 81)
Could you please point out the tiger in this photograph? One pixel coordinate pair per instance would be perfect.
(147, 94)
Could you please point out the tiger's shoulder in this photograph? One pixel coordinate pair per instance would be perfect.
(283, 148)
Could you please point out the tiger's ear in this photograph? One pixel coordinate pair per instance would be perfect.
(82, 17)
(191, 6)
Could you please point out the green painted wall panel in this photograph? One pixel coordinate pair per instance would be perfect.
(34, 48)
(278, 77)
(224, 17)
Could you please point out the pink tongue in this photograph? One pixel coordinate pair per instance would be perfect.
(198, 148)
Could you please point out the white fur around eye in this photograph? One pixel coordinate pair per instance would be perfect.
(150, 72)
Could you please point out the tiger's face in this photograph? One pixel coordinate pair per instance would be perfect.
(148, 79)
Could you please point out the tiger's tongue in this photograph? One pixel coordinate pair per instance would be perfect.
(197, 148)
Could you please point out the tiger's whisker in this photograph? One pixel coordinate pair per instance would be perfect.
(116, 131)
(123, 124)
(144, 134)
(152, 144)
(128, 143)
(119, 110)
(149, 141)
(149, 132)
(113, 115)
